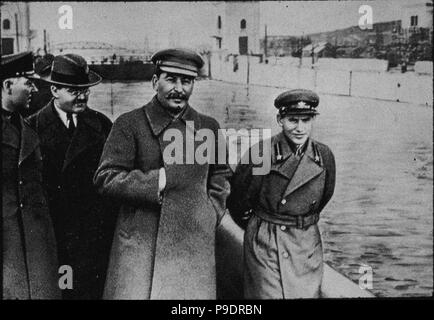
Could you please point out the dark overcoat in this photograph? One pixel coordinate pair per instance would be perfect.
(28, 244)
(83, 219)
(162, 251)
(280, 259)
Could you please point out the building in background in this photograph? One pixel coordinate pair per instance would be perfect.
(403, 41)
(417, 21)
(16, 34)
(417, 15)
(233, 32)
(321, 49)
(283, 45)
(400, 41)
(237, 27)
(346, 42)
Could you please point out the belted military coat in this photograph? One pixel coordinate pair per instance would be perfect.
(281, 260)
(30, 266)
(162, 250)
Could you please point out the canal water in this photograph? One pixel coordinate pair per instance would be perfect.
(381, 214)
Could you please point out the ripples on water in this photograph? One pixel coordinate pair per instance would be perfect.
(381, 214)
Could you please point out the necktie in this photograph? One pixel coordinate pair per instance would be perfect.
(71, 125)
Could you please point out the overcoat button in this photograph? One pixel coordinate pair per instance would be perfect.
(283, 201)
(314, 202)
(285, 254)
(20, 182)
(21, 205)
(283, 228)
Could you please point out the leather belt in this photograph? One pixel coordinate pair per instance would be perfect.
(298, 221)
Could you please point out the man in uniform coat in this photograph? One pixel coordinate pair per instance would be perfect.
(283, 256)
(43, 96)
(30, 268)
(72, 138)
(164, 243)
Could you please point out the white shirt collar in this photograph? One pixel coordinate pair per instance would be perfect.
(64, 117)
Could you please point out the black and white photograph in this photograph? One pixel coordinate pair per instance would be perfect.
(217, 150)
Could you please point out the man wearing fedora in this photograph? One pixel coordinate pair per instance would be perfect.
(164, 243)
(283, 256)
(29, 255)
(72, 138)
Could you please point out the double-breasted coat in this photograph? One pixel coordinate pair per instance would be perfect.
(83, 219)
(281, 259)
(167, 250)
(28, 243)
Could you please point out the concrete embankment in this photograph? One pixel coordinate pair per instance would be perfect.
(363, 78)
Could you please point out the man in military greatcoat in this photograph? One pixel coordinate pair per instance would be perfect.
(30, 266)
(164, 244)
(43, 96)
(283, 257)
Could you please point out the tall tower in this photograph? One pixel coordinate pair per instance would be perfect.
(242, 27)
(237, 29)
(15, 27)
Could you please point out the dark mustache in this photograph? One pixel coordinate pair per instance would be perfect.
(80, 101)
(176, 95)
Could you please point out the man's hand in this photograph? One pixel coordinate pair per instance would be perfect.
(161, 183)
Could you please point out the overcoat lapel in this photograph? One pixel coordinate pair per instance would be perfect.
(11, 137)
(52, 128)
(49, 126)
(29, 142)
(10, 134)
(159, 119)
(287, 164)
(85, 135)
(190, 115)
(307, 170)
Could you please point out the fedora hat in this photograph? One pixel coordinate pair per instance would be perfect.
(71, 70)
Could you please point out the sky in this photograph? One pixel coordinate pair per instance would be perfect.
(132, 24)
